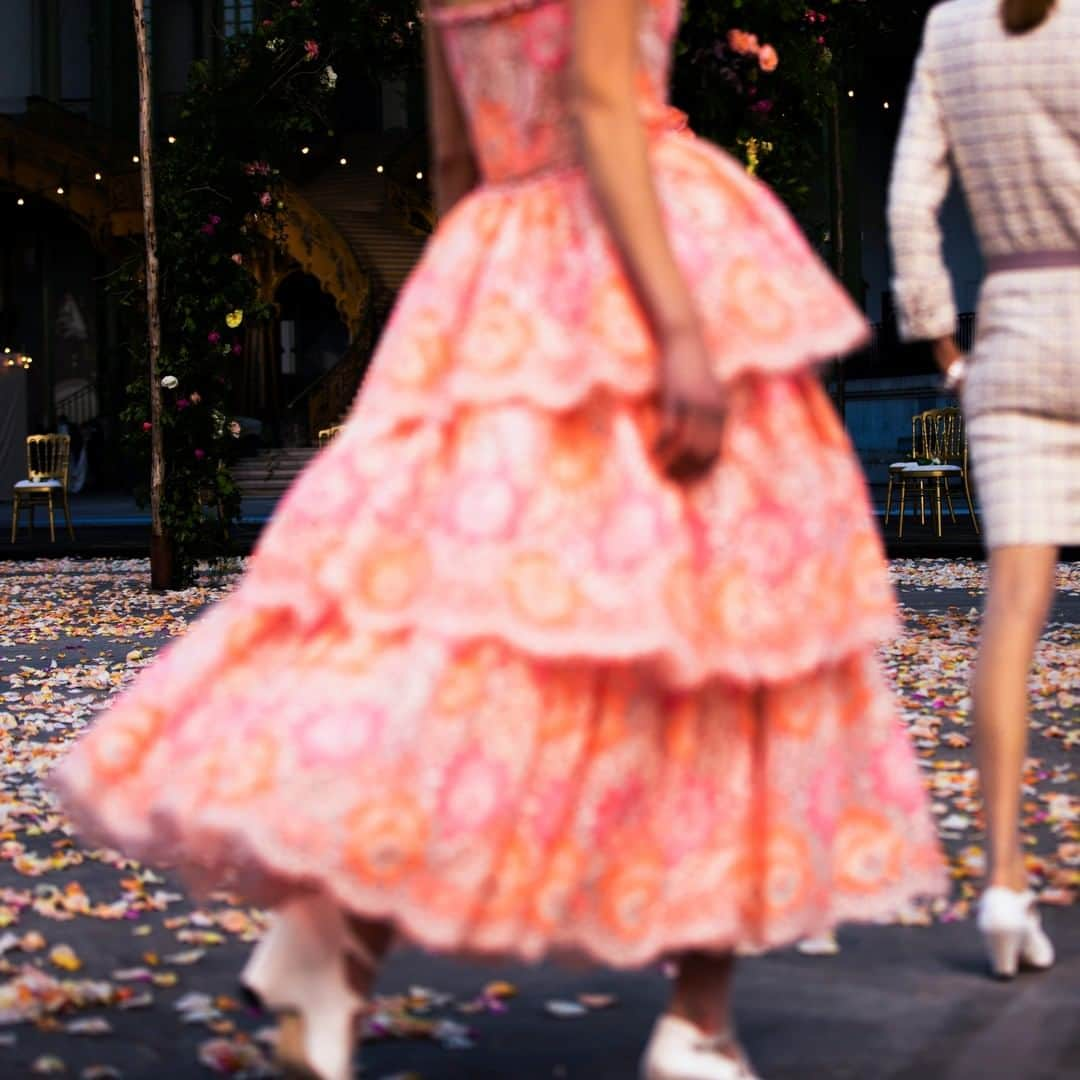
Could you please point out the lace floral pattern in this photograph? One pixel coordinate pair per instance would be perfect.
(492, 804)
(493, 676)
(516, 100)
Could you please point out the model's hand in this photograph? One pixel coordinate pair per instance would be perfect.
(692, 408)
(952, 362)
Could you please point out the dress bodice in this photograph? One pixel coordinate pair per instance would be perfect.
(510, 60)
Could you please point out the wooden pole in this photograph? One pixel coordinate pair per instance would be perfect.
(160, 549)
(839, 237)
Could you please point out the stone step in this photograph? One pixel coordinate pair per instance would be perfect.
(271, 472)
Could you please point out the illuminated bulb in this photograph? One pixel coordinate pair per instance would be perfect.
(886, 105)
(135, 158)
(851, 93)
(379, 169)
(419, 176)
(97, 176)
(7, 351)
(305, 150)
(172, 140)
(344, 161)
(20, 202)
(59, 191)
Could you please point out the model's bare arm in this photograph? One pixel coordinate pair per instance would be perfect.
(454, 164)
(615, 148)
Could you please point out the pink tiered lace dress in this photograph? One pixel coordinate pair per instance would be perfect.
(490, 675)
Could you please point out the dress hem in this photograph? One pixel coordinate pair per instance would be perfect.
(279, 883)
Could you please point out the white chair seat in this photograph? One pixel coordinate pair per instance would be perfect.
(899, 466)
(950, 470)
(22, 485)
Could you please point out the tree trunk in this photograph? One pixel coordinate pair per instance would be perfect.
(839, 237)
(160, 549)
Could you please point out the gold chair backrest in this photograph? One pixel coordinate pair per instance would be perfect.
(47, 458)
(918, 442)
(945, 439)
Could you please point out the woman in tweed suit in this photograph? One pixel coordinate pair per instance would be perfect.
(996, 100)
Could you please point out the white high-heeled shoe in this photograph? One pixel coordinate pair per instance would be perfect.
(299, 971)
(1011, 927)
(680, 1051)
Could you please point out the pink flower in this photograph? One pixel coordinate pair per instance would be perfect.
(237, 349)
(214, 337)
(265, 199)
(743, 43)
(311, 49)
(182, 404)
(147, 426)
(215, 219)
(765, 106)
(768, 58)
(238, 259)
(199, 454)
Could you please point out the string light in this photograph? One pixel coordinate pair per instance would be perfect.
(305, 149)
(379, 169)
(886, 105)
(97, 177)
(19, 202)
(851, 93)
(60, 191)
(172, 140)
(344, 161)
(419, 176)
(135, 159)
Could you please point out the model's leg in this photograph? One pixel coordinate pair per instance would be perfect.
(315, 967)
(702, 992)
(1020, 592)
(696, 1036)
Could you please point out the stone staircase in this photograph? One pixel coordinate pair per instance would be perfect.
(355, 200)
(269, 474)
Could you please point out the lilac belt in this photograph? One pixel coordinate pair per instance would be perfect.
(1032, 260)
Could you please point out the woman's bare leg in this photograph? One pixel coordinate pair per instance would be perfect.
(375, 939)
(1020, 593)
(702, 993)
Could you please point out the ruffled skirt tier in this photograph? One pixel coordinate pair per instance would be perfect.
(493, 677)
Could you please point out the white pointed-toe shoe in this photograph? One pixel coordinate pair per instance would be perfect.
(1011, 927)
(299, 971)
(680, 1051)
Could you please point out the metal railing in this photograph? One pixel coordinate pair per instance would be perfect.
(80, 407)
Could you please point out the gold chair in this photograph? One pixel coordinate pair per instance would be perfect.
(898, 467)
(328, 435)
(946, 451)
(47, 461)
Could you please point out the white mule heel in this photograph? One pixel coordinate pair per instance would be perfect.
(1010, 924)
(299, 970)
(680, 1051)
